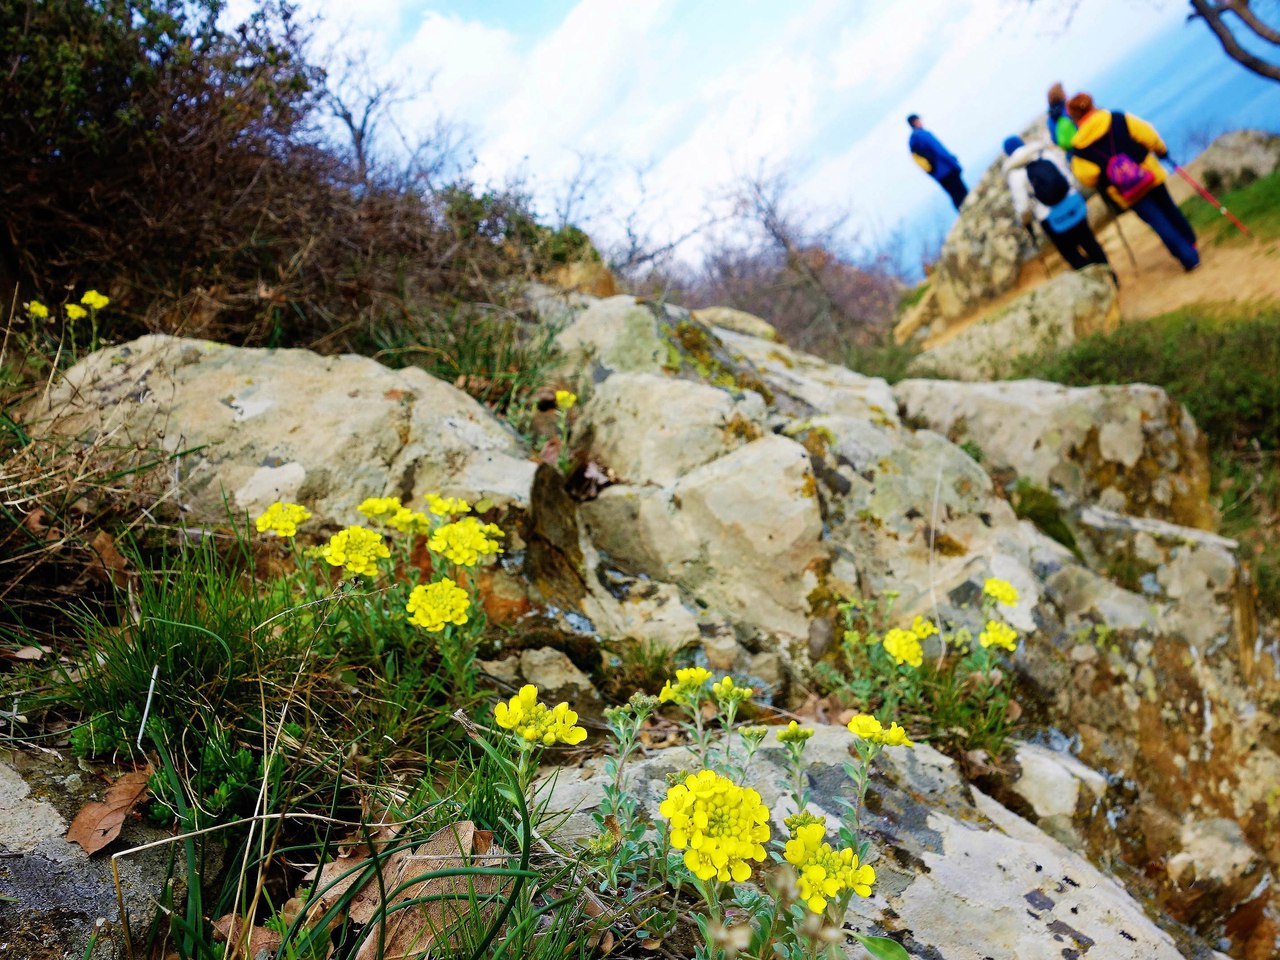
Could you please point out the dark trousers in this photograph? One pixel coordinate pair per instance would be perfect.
(955, 187)
(1161, 214)
(1078, 246)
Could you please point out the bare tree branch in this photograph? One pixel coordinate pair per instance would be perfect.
(1212, 14)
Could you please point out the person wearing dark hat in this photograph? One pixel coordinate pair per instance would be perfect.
(1122, 153)
(937, 161)
(1061, 127)
(1044, 190)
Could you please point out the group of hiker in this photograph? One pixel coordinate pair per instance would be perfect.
(1115, 153)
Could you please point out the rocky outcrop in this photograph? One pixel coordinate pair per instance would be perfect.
(958, 875)
(242, 428)
(1054, 315)
(1238, 158)
(729, 490)
(1126, 448)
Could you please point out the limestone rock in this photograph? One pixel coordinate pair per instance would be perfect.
(1057, 313)
(1238, 158)
(1127, 448)
(984, 250)
(654, 429)
(737, 321)
(740, 534)
(258, 425)
(958, 875)
(616, 335)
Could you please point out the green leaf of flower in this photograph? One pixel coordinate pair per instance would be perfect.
(882, 948)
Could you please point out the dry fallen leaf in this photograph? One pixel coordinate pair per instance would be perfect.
(412, 931)
(231, 928)
(108, 562)
(24, 653)
(98, 823)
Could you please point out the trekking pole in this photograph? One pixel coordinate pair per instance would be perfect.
(1123, 239)
(1222, 207)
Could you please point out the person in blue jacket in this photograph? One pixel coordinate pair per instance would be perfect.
(937, 161)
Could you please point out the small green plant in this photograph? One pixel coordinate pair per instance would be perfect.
(958, 699)
(713, 830)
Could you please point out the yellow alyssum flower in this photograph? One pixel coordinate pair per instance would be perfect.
(409, 521)
(825, 872)
(446, 506)
(688, 687)
(433, 606)
(999, 634)
(1002, 591)
(904, 647)
(94, 300)
(794, 733)
(868, 728)
(565, 399)
(375, 507)
(356, 549)
(530, 720)
(727, 692)
(466, 541)
(719, 825)
(282, 519)
(922, 628)
(37, 310)
(75, 312)
(895, 736)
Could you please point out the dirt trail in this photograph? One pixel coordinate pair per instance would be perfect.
(1237, 269)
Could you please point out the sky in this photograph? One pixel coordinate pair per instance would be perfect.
(668, 103)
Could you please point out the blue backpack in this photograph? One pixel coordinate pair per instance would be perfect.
(1067, 213)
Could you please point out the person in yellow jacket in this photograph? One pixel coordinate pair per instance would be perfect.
(1122, 153)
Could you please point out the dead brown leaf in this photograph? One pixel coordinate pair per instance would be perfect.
(24, 653)
(98, 823)
(413, 931)
(231, 929)
(108, 563)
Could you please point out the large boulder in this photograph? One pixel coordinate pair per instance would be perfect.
(245, 427)
(1054, 315)
(958, 875)
(1126, 448)
(1238, 158)
(741, 534)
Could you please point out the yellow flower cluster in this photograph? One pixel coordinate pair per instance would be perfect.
(94, 300)
(866, 727)
(922, 628)
(530, 720)
(356, 549)
(409, 521)
(466, 541)
(1002, 591)
(690, 682)
(282, 519)
(565, 399)
(824, 871)
(446, 506)
(904, 647)
(718, 824)
(999, 634)
(376, 507)
(434, 605)
(37, 310)
(794, 733)
(75, 311)
(726, 691)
